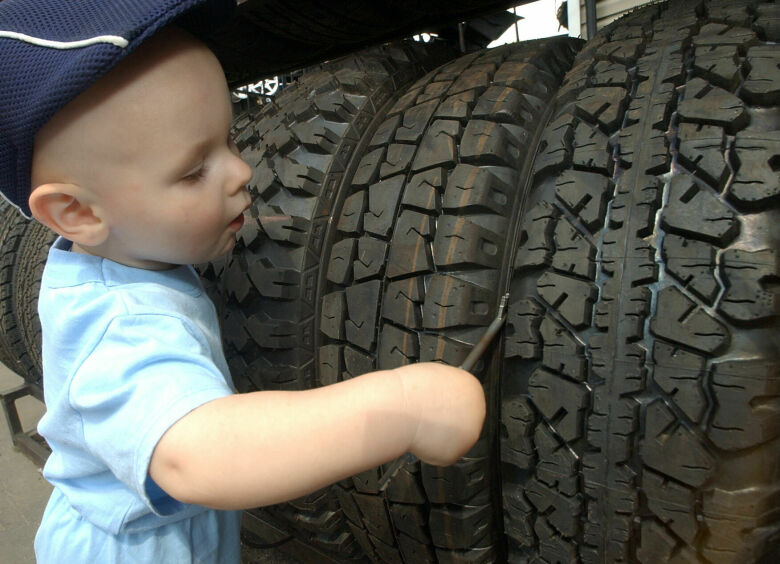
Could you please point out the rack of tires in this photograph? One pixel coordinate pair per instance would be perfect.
(624, 191)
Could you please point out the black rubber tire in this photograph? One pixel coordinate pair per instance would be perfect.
(416, 260)
(24, 246)
(13, 228)
(9, 241)
(641, 391)
(30, 260)
(301, 147)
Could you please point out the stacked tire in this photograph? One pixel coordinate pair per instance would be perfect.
(630, 208)
(24, 246)
(640, 392)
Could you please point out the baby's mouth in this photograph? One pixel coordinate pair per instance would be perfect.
(237, 223)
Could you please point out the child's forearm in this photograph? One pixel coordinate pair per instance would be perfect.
(261, 448)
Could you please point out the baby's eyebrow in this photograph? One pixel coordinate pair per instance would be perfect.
(188, 157)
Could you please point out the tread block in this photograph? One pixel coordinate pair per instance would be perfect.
(680, 320)
(561, 401)
(285, 228)
(572, 298)
(476, 77)
(383, 198)
(397, 347)
(505, 105)
(437, 348)
(461, 528)
(334, 306)
(423, 190)
(438, 146)
(397, 160)
(462, 482)
(747, 298)
(374, 517)
(672, 503)
(489, 143)
(697, 212)
(458, 106)
(342, 255)
(705, 103)
(762, 85)
(693, 263)
(270, 281)
(658, 545)
(351, 219)
(461, 241)
(562, 352)
(625, 52)
(560, 511)
(747, 395)
(680, 374)
(716, 33)
(415, 120)
(299, 178)
(331, 364)
(603, 105)
(368, 169)
(403, 300)
(410, 249)
(518, 419)
(592, 150)
(316, 136)
(574, 254)
(385, 133)
(362, 300)
(701, 150)
(474, 189)
(585, 195)
(673, 449)
(757, 155)
(452, 302)
(556, 145)
(719, 64)
(357, 362)
(738, 531)
(536, 247)
(522, 337)
(370, 257)
(272, 333)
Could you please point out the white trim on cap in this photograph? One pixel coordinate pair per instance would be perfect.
(115, 40)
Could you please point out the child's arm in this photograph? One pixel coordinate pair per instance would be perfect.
(260, 448)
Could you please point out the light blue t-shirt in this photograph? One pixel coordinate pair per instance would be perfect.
(126, 353)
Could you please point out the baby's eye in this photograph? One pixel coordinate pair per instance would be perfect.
(195, 175)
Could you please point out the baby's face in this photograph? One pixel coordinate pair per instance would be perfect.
(165, 174)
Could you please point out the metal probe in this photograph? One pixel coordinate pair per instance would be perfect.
(467, 364)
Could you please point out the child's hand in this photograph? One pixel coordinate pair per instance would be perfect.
(449, 406)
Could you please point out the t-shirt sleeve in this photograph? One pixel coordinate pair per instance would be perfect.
(143, 375)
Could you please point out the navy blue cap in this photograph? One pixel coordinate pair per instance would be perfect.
(52, 50)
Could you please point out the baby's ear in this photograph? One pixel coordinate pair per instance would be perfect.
(64, 209)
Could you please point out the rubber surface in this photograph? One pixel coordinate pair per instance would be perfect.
(13, 229)
(30, 260)
(10, 235)
(414, 270)
(641, 393)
